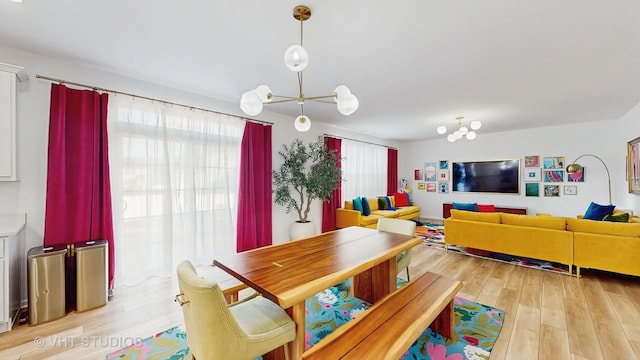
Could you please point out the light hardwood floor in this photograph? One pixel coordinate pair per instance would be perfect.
(548, 315)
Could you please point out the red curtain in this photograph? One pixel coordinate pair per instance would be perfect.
(392, 171)
(335, 201)
(254, 196)
(78, 200)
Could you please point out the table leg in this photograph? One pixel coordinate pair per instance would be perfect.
(296, 348)
(377, 282)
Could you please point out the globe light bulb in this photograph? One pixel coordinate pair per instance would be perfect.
(463, 130)
(441, 129)
(471, 135)
(451, 138)
(251, 103)
(302, 123)
(347, 104)
(296, 58)
(475, 125)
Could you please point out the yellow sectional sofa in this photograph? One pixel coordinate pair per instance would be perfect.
(537, 237)
(347, 216)
(601, 245)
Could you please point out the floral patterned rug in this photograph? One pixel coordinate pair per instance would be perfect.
(476, 329)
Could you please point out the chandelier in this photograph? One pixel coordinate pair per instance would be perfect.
(296, 58)
(462, 131)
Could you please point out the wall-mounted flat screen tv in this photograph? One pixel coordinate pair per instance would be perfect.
(495, 176)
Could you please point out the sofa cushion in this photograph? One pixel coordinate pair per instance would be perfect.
(475, 216)
(357, 204)
(624, 217)
(369, 220)
(402, 199)
(406, 210)
(386, 213)
(465, 206)
(546, 222)
(366, 209)
(603, 227)
(597, 211)
(486, 208)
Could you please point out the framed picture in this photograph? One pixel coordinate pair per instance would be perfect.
(532, 189)
(431, 187)
(570, 190)
(532, 161)
(576, 177)
(532, 174)
(443, 175)
(633, 165)
(417, 174)
(555, 162)
(552, 190)
(553, 175)
(444, 164)
(430, 171)
(443, 187)
(420, 186)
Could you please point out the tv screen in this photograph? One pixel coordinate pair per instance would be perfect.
(496, 176)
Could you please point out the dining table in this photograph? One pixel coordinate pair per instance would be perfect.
(290, 272)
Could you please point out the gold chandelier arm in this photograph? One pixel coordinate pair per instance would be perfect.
(288, 99)
(322, 101)
(315, 98)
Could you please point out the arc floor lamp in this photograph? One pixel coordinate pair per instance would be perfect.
(574, 167)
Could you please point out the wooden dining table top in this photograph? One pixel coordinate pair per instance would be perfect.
(290, 272)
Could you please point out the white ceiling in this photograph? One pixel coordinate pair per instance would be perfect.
(413, 64)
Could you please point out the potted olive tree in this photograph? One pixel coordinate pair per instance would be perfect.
(307, 172)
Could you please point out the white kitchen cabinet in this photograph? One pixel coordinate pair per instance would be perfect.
(12, 238)
(8, 170)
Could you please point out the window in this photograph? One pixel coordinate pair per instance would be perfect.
(364, 169)
(174, 181)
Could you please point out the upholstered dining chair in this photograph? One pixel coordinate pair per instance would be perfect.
(399, 226)
(215, 330)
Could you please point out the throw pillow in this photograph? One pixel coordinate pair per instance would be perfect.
(357, 204)
(402, 199)
(382, 204)
(597, 211)
(389, 204)
(624, 217)
(366, 209)
(466, 206)
(486, 208)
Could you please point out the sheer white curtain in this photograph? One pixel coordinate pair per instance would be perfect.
(174, 183)
(364, 168)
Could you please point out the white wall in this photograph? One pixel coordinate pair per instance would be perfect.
(606, 139)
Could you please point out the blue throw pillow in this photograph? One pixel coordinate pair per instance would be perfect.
(466, 206)
(366, 209)
(357, 204)
(598, 212)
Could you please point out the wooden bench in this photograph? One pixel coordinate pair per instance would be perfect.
(229, 285)
(389, 327)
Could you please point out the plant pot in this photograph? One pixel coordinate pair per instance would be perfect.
(301, 230)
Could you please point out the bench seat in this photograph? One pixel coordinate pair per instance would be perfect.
(389, 327)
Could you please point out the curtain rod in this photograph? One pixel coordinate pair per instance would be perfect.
(96, 88)
(365, 142)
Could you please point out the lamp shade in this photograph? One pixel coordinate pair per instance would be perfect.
(251, 103)
(451, 138)
(302, 123)
(296, 58)
(475, 125)
(574, 168)
(341, 91)
(441, 129)
(347, 104)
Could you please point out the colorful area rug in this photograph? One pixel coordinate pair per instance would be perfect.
(476, 329)
(433, 235)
